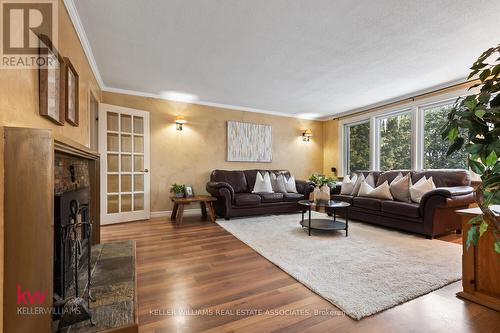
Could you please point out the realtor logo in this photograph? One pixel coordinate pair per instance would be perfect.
(22, 22)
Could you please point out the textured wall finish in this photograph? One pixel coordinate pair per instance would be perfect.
(188, 156)
(248, 142)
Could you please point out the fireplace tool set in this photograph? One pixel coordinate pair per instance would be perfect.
(74, 308)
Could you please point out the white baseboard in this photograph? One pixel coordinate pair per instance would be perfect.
(167, 213)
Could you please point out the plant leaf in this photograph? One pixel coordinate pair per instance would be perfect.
(480, 113)
(482, 228)
(491, 159)
(476, 167)
(497, 246)
(472, 236)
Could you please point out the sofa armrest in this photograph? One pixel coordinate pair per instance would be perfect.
(304, 187)
(219, 189)
(457, 196)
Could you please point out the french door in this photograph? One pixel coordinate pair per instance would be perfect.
(124, 149)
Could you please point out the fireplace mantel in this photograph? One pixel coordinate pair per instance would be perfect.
(28, 220)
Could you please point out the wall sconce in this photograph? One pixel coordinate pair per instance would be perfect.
(306, 136)
(179, 121)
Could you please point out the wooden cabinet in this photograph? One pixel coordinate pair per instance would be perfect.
(480, 266)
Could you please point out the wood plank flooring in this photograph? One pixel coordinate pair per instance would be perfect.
(228, 287)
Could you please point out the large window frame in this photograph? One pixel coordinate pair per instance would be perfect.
(346, 138)
(417, 110)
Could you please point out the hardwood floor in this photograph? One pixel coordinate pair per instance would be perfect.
(201, 267)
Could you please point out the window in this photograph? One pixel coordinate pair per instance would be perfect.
(394, 133)
(358, 154)
(435, 147)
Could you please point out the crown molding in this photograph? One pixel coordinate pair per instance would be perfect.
(204, 103)
(386, 103)
(80, 31)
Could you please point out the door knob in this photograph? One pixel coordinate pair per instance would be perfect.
(145, 170)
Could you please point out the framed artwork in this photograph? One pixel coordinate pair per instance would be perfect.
(189, 191)
(71, 93)
(51, 82)
(248, 142)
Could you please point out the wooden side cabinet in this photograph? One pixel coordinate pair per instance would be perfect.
(480, 266)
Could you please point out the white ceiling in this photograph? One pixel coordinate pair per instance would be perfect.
(306, 58)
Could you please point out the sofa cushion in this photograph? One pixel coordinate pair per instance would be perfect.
(271, 197)
(444, 178)
(342, 197)
(367, 203)
(236, 179)
(247, 199)
(292, 196)
(401, 208)
(391, 175)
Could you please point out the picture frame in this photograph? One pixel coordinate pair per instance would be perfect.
(189, 191)
(71, 93)
(51, 82)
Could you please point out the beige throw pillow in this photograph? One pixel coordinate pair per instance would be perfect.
(278, 183)
(262, 183)
(348, 185)
(357, 185)
(383, 191)
(290, 185)
(421, 187)
(400, 188)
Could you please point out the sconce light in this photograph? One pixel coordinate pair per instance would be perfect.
(306, 136)
(179, 121)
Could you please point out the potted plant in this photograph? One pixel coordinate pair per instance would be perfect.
(474, 125)
(322, 183)
(178, 190)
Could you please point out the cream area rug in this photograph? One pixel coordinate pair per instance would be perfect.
(370, 271)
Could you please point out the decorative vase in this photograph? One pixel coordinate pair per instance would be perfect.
(324, 194)
(315, 194)
(179, 195)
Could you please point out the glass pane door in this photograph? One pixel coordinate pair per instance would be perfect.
(125, 171)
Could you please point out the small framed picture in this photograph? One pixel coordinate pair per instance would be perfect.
(189, 191)
(71, 93)
(51, 82)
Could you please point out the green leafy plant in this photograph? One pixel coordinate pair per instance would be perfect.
(176, 188)
(474, 123)
(320, 180)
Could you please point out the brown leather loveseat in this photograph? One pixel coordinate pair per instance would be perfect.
(233, 190)
(434, 215)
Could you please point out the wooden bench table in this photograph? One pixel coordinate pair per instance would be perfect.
(204, 200)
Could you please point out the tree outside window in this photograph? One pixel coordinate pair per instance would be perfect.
(359, 147)
(434, 146)
(395, 142)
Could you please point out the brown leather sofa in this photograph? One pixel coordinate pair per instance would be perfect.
(233, 190)
(434, 215)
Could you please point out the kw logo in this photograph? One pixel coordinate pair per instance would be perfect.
(27, 297)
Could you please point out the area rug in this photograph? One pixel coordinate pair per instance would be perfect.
(372, 270)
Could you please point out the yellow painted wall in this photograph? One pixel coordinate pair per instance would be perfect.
(190, 155)
(19, 88)
(19, 104)
(331, 153)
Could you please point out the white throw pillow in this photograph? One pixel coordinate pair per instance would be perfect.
(421, 187)
(348, 184)
(278, 183)
(357, 185)
(262, 183)
(400, 188)
(383, 191)
(290, 185)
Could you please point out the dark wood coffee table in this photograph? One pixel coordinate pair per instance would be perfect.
(326, 223)
(205, 201)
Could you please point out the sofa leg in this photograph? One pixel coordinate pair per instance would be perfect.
(428, 237)
(227, 218)
(458, 231)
